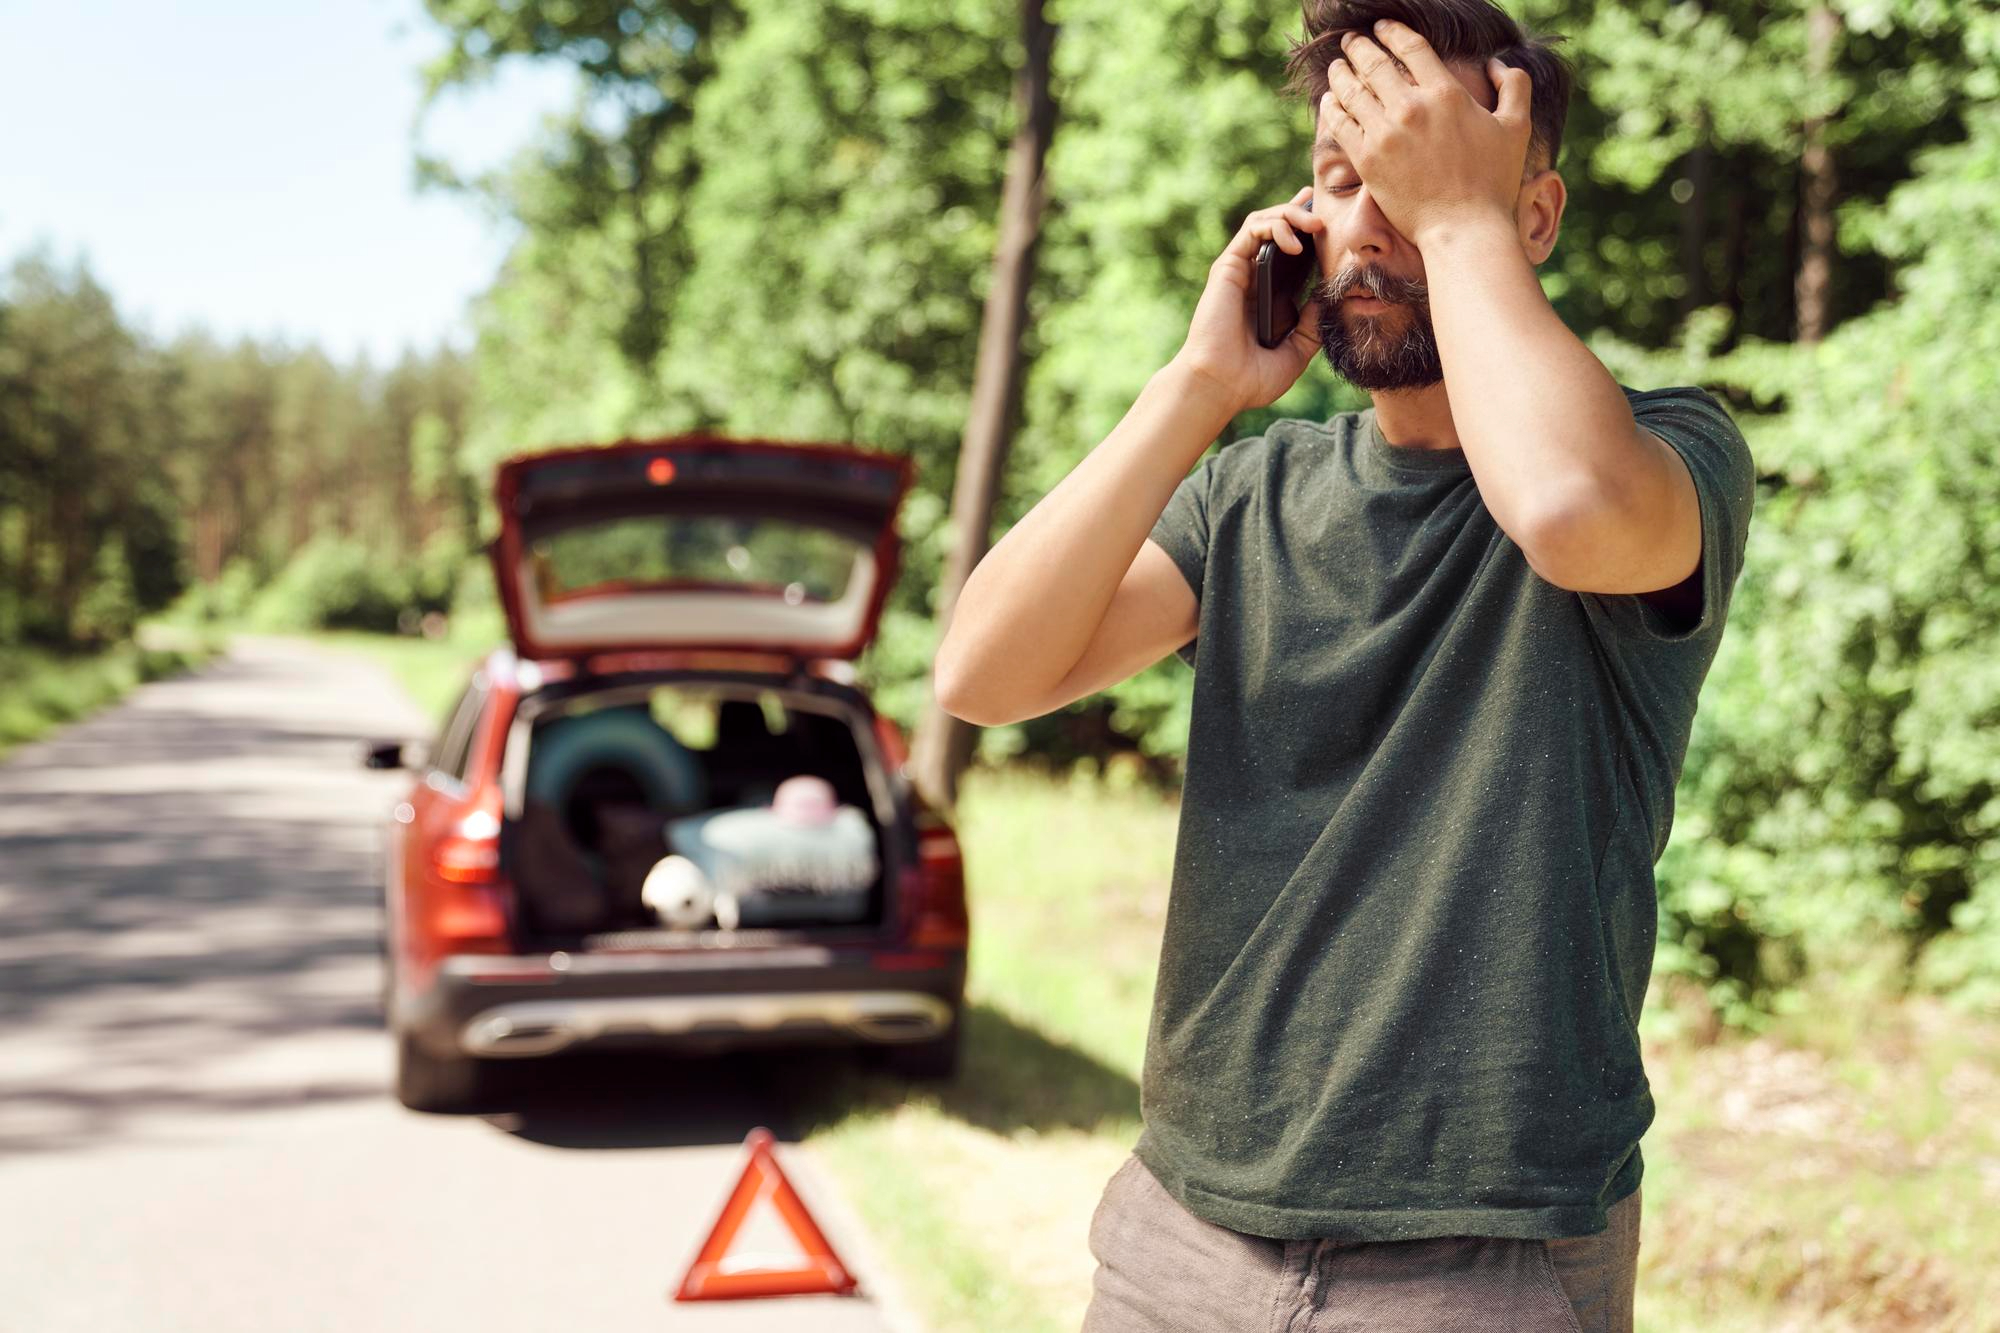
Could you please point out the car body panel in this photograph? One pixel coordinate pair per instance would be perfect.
(697, 542)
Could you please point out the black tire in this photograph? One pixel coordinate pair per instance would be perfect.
(426, 1082)
(936, 1058)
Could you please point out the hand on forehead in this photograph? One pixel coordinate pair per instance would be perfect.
(1394, 57)
(1437, 143)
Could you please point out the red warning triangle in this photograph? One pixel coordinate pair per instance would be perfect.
(715, 1275)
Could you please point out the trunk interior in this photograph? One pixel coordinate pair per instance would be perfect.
(641, 815)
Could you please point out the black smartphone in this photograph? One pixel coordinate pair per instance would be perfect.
(1280, 280)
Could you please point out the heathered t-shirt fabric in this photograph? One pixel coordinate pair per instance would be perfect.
(1412, 914)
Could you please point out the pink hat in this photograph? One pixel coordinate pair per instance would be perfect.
(804, 799)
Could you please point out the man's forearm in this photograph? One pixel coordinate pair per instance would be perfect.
(1542, 422)
(1028, 610)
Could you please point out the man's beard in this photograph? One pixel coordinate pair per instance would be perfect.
(1390, 349)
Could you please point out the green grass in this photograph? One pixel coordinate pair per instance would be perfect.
(42, 690)
(1067, 885)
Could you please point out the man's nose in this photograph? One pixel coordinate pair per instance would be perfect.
(1359, 233)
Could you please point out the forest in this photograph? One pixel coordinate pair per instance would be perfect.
(780, 220)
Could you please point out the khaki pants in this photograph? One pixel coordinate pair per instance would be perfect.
(1160, 1269)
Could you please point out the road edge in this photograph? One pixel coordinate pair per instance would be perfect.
(814, 1182)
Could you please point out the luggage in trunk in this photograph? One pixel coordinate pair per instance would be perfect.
(614, 795)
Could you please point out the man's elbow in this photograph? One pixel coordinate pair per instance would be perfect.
(958, 693)
(951, 688)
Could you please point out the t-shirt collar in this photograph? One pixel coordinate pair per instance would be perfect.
(1434, 462)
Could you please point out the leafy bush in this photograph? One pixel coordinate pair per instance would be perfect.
(333, 583)
(1840, 788)
(40, 690)
(109, 606)
(476, 617)
(225, 601)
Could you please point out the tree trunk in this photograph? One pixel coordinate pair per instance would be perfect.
(1736, 246)
(29, 586)
(1694, 224)
(943, 745)
(1816, 189)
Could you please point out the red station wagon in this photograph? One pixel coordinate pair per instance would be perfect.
(668, 816)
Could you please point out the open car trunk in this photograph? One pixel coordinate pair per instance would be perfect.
(640, 814)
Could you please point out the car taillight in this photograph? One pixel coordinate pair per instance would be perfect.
(470, 852)
(467, 905)
(934, 892)
(467, 860)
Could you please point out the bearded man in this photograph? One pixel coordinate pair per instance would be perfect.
(1447, 651)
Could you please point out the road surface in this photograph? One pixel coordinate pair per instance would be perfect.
(196, 1131)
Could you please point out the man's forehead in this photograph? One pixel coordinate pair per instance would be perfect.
(1327, 148)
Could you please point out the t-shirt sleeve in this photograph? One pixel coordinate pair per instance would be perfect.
(1182, 532)
(1702, 432)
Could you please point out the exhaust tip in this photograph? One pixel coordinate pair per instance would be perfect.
(501, 1035)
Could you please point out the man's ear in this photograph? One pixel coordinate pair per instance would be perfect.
(1539, 214)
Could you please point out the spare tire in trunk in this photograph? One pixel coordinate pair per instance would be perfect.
(600, 788)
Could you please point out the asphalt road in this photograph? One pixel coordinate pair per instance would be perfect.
(196, 1130)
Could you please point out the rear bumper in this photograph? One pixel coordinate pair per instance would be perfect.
(707, 999)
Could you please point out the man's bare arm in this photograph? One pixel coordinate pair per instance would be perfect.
(1065, 598)
(1026, 618)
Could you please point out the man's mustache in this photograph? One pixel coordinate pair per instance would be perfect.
(1373, 282)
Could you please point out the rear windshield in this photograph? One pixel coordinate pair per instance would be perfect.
(781, 557)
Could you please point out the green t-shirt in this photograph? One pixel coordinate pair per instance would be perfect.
(1412, 916)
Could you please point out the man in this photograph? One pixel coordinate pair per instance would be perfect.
(1448, 650)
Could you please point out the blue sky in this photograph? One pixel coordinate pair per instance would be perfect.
(248, 166)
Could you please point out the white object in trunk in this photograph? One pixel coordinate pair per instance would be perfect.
(679, 893)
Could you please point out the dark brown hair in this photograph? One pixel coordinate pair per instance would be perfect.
(1458, 30)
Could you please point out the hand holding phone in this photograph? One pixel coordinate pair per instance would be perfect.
(1244, 338)
(1280, 280)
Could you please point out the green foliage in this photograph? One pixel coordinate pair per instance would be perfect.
(619, 167)
(224, 601)
(89, 535)
(476, 617)
(1840, 784)
(41, 690)
(332, 583)
(109, 607)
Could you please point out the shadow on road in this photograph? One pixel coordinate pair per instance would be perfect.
(1013, 1077)
(190, 905)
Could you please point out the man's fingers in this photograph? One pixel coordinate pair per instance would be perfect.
(1409, 46)
(1377, 71)
(1354, 96)
(1346, 131)
(1262, 226)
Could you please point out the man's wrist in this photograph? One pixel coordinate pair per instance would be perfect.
(1192, 389)
(1471, 227)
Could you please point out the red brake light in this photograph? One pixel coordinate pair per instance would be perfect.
(934, 893)
(469, 853)
(468, 860)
